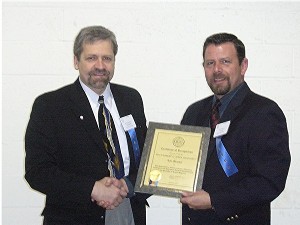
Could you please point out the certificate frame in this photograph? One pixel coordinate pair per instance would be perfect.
(175, 152)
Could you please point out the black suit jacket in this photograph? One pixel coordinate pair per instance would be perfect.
(65, 154)
(257, 141)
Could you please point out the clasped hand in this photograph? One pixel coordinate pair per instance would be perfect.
(109, 192)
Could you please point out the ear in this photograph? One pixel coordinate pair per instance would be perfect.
(76, 63)
(244, 66)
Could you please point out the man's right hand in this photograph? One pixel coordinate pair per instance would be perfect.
(109, 192)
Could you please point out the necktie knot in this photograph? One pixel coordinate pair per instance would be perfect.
(101, 99)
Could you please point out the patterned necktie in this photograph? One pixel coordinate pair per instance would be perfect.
(110, 140)
(215, 117)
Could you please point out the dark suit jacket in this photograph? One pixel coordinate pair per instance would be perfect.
(257, 141)
(65, 154)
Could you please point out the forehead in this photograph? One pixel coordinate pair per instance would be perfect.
(222, 50)
(100, 46)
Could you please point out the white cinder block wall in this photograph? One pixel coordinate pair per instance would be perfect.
(160, 54)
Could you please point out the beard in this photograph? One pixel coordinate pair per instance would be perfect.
(220, 89)
(99, 78)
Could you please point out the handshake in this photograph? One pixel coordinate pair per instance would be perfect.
(109, 192)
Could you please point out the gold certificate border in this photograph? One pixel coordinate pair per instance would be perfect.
(142, 184)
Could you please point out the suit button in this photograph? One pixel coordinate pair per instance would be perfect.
(189, 218)
(102, 217)
(236, 216)
(228, 219)
(232, 218)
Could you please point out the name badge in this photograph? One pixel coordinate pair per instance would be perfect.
(128, 122)
(221, 129)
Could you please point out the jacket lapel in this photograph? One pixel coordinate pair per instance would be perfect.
(120, 100)
(82, 110)
(234, 107)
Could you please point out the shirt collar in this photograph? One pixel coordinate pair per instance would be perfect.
(93, 96)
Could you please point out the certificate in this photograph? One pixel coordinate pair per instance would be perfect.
(173, 159)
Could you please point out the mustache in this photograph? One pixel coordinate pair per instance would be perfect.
(99, 72)
(218, 75)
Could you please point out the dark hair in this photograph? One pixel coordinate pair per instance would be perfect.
(89, 35)
(221, 38)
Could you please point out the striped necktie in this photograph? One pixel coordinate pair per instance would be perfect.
(110, 140)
